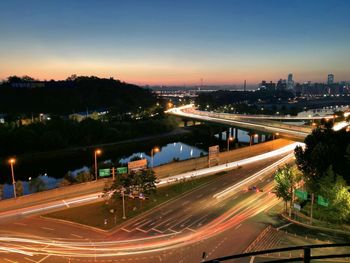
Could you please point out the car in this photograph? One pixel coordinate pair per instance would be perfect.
(256, 189)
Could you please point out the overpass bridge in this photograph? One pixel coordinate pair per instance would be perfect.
(252, 122)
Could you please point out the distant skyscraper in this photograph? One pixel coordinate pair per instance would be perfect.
(330, 80)
(267, 85)
(245, 85)
(290, 82)
(281, 84)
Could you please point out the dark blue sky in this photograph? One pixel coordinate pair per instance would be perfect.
(176, 42)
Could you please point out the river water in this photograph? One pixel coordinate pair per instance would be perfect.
(51, 169)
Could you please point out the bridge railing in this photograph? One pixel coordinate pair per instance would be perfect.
(305, 252)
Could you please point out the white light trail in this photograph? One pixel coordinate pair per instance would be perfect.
(228, 166)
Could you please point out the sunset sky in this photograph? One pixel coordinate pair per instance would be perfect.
(176, 41)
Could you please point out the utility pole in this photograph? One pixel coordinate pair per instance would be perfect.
(113, 173)
(312, 204)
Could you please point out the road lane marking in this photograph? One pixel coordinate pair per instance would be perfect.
(74, 235)
(199, 196)
(230, 190)
(139, 229)
(138, 222)
(252, 259)
(172, 230)
(154, 229)
(30, 259)
(167, 212)
(47, 228)
(41, 260)
(185, 203)
(65, 203)
(145, 223)
(9, 260)
(278, 228)
(238, 226)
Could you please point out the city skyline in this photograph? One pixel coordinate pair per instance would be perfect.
(176, 43)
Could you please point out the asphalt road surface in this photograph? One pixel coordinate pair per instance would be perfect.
(211, 218)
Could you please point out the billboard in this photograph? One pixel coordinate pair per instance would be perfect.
(137, 165)
(213, 154)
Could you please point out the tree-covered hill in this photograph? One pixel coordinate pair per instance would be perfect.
(26, 95)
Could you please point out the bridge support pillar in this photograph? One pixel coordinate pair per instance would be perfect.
(194, 122)
(185, 123)
(220, 135)
(236, 133)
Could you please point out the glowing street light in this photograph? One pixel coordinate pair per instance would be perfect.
(12, 161)
(252, 138)
(230, 138)
(97, 152)
(153, 151)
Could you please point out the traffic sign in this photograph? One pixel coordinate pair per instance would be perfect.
(322, 201)
(105, 172)
(297, 206)
(122, 170)
(302, 195)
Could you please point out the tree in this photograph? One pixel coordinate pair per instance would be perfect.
(37, 185)
(83, 177)
(1, 191)
(334, 188)
(286, 179)
(135, 183)
(19, 188)
(68, 179)
(324, 148)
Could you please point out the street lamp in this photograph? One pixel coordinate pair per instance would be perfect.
(252, 138)
(230, 138)
(97, 152)
(12, 162)
(123, 193)
(153, 151)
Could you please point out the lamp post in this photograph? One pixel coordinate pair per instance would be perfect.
(252, 138)
(97, 152)
(123, 193)
(275, 135)
(12, 162)
(153, 151)
(228, 142)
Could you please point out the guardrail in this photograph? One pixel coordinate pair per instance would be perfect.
(306, 256)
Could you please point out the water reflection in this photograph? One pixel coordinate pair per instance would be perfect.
(168, 153)
(243, 136)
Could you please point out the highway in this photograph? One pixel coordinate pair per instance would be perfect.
(196, 220)
(93, 197)
(262, 125)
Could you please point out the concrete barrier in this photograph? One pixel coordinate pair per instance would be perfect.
(54, 194)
